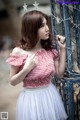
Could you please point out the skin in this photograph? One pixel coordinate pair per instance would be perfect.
(17, 76)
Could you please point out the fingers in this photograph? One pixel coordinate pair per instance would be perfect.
(61, 39)
(32, 56)
(35, 60)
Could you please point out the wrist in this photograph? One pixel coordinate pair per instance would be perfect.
(26, 69)
(62, 48)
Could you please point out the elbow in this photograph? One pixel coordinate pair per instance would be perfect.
(12, 82)
(59, 75)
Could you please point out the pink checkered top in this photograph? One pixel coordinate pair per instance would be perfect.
(43, 72)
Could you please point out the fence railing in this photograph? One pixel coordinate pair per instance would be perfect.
(65, 20)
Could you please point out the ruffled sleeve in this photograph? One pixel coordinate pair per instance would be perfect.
(16, 60)
(54, 54)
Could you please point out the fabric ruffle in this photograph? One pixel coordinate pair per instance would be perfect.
(16, 60)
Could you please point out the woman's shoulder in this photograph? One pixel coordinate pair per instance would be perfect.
(16, 57)
(55, 54)
(17, 51)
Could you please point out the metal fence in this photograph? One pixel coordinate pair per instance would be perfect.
(65, 19)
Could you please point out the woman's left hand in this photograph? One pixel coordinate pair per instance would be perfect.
(61, 41)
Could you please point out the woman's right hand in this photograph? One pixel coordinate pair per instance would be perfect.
(30, 62)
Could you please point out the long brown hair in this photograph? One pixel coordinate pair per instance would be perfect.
(31, 22)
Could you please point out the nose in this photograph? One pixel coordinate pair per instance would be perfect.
(47, 28)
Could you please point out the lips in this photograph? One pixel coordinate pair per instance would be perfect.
(47, 34)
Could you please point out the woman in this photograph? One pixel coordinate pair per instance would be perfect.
(35, 61)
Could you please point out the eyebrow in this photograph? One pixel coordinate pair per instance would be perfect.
(44, 22)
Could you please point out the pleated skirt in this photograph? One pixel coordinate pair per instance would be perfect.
(42, 103)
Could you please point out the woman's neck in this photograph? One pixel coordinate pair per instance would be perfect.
(38, 46)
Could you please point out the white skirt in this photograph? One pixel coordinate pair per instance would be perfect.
(43, 103)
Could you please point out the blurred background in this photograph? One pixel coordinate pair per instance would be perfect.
(11, 12)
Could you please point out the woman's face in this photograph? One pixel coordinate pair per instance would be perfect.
(43, 32)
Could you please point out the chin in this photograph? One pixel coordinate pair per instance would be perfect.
(46, 38)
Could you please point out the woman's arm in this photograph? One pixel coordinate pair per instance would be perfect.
(61, 63)
(16, 75)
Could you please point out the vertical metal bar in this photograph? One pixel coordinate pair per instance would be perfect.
(61, 11)
(53, 21)
(64, 93)
(70, 100)
(76, 19)
(78, 7)
(68, 41)
(52, 17)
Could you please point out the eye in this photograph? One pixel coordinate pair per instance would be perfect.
(42, 25)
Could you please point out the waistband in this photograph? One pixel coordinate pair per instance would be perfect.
(37, 88)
